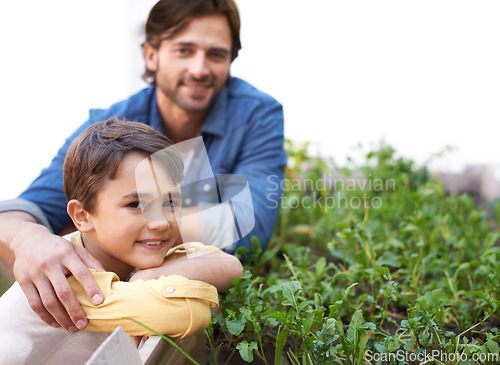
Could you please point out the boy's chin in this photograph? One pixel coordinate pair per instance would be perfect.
(149, 263)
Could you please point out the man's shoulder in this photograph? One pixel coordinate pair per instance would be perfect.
(136, 107)
(239, 89)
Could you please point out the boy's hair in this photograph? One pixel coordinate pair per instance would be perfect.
(95, 154)
(174, 15)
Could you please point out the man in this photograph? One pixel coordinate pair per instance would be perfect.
(188, 51)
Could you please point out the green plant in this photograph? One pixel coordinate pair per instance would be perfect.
(407, 270)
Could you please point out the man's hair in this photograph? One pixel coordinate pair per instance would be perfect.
(174, 15)
(94, 156)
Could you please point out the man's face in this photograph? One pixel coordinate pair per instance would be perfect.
(192, 67)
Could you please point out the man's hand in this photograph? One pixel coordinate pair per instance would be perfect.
(42, 262)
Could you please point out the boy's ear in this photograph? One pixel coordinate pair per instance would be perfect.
(150, 57)
(79, 216)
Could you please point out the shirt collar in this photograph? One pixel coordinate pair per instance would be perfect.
(154, 118)
(215, 121)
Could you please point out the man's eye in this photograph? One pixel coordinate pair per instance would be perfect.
(183, 51)
(218, 55)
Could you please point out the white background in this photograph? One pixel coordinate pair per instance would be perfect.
(419, 75)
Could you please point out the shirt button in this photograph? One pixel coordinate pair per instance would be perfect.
(206, 187)
(170, 289)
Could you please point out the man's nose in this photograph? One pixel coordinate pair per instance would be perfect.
(198, 65)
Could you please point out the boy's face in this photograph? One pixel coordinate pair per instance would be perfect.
(123, 237)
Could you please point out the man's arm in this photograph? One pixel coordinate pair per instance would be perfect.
(41, 261)
(46, 192)
(262, 162)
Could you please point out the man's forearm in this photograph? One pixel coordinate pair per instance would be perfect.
(11, 223)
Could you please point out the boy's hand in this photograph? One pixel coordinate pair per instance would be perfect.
(42, 262)
(139, 341)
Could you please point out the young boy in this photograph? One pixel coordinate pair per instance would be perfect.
(122, 182)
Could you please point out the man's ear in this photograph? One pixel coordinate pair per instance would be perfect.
(150, 57)
(79, 216)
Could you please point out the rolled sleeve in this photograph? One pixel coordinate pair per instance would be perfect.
(23, 205)
(172, 305)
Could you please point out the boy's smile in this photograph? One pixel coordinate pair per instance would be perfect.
(120, 236)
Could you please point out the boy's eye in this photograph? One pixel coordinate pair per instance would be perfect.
(170, 204)
(135, 204)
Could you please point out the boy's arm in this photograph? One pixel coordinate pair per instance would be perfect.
(173, 305)
(214, 267)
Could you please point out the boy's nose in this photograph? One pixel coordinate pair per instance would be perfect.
(158, 225)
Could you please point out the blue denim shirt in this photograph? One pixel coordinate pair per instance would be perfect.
(242, 133)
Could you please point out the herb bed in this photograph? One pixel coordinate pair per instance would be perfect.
(409, 275)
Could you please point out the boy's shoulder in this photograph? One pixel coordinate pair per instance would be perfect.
(74, 237)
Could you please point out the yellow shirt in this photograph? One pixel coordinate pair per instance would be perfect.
(172, 305)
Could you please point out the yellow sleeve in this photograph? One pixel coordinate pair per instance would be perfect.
(186, 248)
(173, 305)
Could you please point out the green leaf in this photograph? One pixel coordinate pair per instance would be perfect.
(308, 322)
(246, 350)
(388, 259)
(247, 274)
(279, 315)
(236, 326)
(477, 293)
(302, 306)
(493, 347)
(334, 307)
(435, 299)
(379, 347)
(346, 292)
(256, 248)
(290, 291)
(369, 326)
(320, 268)
(326, 333)
(363, 339)
(280, 344)
(246, 312)
(352, 330)
(384, 271)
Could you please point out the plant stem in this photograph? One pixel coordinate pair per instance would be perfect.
(168, 339)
